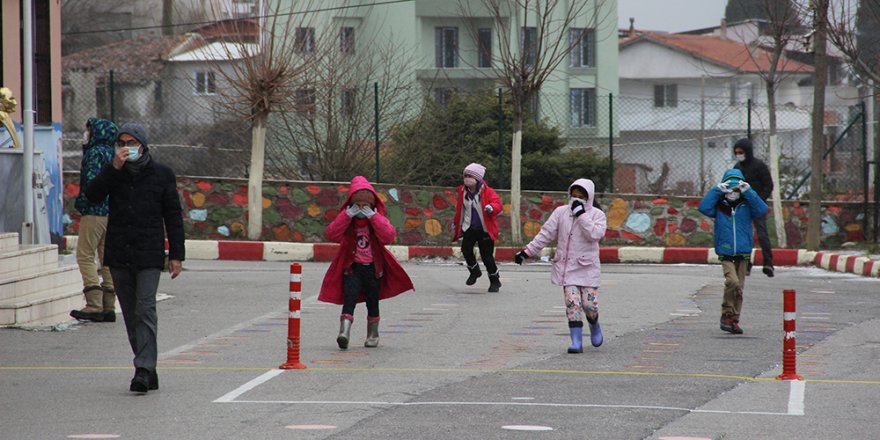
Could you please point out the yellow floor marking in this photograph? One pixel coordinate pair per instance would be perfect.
(434, 370)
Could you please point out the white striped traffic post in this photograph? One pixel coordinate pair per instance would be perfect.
(789, 346)
(293, 334)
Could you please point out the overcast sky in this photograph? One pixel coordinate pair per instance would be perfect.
(671, 15)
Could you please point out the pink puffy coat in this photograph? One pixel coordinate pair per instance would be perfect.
(576, 262)
(393, 280)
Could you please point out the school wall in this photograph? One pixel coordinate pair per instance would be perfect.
(300, 211)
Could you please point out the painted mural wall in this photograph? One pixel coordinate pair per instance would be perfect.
(300, 211)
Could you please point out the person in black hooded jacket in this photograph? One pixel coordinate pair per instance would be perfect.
(144, 207)
(757, 174)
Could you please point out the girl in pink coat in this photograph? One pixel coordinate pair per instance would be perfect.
(577, 229)
(363, 269)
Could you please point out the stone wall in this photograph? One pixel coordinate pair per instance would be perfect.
(300, 211)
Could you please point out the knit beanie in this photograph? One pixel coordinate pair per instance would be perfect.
(136, 131)
(475, 170)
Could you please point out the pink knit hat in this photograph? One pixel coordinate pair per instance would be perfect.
(475, 170)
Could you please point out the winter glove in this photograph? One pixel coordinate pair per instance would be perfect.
(368, 212)
(353, 210)
(577, 208)
(723, 187)
(743, 186)
(520, 257)
(488, 209)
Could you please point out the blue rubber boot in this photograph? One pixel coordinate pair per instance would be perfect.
(595, 332)
(577, 340)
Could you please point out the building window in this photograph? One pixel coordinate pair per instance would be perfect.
(346, 40)
(583, 107)
(530, 45)
(583, 47)
(205, 83)
(666, 95)
(304, 99)
(442, 96)
(446, 46)
(347, 102)
(304, 40)
(484, 37)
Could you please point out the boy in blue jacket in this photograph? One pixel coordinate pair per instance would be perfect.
(733, 204)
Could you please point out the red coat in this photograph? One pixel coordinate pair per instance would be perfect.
(393, 280)
(488, 197)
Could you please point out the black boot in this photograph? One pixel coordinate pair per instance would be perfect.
(154, 380)
(141, 381)
(475, 273)
(494, 282)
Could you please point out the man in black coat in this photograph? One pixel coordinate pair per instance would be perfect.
(757, 174)
(144, 207)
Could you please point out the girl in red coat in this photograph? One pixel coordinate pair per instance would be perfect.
(363, 269)
(476, 222)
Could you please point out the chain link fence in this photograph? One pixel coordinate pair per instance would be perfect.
(418, 134)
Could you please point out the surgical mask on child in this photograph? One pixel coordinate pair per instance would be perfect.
(470, 181)
(740, 157)
(732, 196)
(134, 153)
(572, 199)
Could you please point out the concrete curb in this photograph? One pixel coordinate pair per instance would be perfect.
(286, 251)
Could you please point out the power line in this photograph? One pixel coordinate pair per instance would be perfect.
(161, 26)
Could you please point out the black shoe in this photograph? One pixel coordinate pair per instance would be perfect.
(154, 380)
(494, 283)
(140, 383)
(768, 270)
(727, 323)
(87, 316)
(475, 273)
(109, 316)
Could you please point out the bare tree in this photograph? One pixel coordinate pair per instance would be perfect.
(852, 29)
(782, 28)
(331, 134)
(266, 80)
(819, 10)
(533, 37)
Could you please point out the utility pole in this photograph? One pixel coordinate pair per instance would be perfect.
(820, 77)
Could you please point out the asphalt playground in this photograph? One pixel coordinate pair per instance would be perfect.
(456, 362)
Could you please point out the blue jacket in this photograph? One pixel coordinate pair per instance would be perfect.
(97, 153)
(733, 221)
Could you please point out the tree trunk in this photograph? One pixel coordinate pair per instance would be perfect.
(255, 178)
(818, 146)
(778, 221)
(515, 169)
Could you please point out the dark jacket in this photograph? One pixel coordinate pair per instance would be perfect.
(143, 207)
(755, 170)
(97, 153)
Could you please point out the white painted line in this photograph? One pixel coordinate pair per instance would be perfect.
(522, 398)
(796, 397)
(265, 377)
(554, 405)
(531, 428)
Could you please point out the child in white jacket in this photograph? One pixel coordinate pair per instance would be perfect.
(577, 229)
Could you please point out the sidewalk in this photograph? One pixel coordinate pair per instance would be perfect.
(287, 251)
